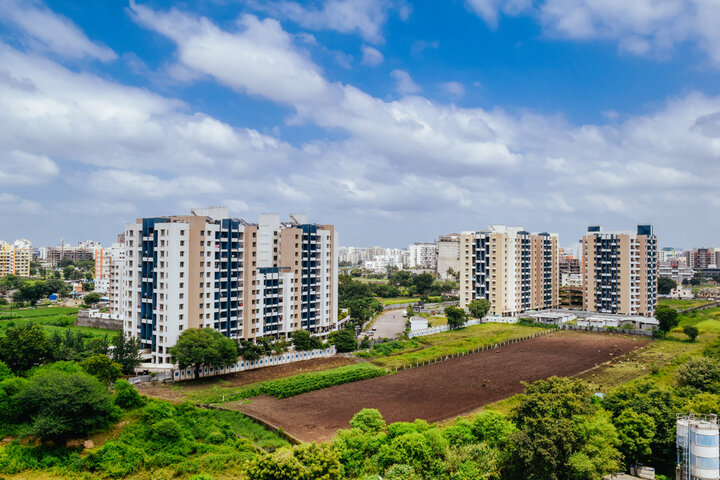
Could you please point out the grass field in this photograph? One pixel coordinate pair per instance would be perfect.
(371, 280)
(662, 357)
(396, 300)
(453, 342)
(682, 304)
(697, 288)
(52, 319)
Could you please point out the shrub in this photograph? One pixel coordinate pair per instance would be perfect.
(62, 404)
(691, 331)
(126, 396)
(702, 373)
(215, 437)
(368, 420)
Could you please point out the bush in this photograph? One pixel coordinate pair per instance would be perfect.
(691, 331)
(61, 405)
(702, 373)
(303, 341)
(126, 396)
(344, 340)
(368, 420)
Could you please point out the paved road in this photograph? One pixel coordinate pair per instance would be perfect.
(389, 324)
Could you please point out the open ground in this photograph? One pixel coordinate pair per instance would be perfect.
(442, 390)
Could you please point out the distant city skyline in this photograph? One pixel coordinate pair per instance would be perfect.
(394, 121)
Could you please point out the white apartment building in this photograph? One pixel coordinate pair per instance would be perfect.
(424, 255)
(448, 256)
(206, 270)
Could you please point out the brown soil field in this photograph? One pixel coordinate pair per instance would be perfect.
(442, 390)
(175, 392)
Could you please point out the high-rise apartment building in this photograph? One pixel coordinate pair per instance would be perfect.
(620, 271)
(246, 280)
(699, 258)
(15, 259)
(513, 269)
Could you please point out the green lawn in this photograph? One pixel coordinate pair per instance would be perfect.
(53, 319)
(453, 342)
(371, 280)
(682, 304)
(396, 300)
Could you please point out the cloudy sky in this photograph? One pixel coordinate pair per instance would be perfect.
(396, 121)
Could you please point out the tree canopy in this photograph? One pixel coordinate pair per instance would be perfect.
(200, 347)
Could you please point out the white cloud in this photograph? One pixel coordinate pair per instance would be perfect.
(640, 27)
(404, 83)
(456, 89)
(52, 31)
(14, 205)
(371, 56)
(364, 17)
(127, 184)
(22, 168)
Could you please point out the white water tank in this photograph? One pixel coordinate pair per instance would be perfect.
(704, 449)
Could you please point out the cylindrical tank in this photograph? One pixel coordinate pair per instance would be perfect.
(682, 433)
(704, 450)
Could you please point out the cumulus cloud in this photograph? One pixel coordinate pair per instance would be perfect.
(22, 168)
(640, 27)
(404, 83)
(50, 31)
(371, 56)
(363, 17)
(12, 205)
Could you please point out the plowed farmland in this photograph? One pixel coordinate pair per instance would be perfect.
(442, 390)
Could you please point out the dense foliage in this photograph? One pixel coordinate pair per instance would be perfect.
(200, 347)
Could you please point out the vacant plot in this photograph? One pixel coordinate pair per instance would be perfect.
(678, 304)
(441, 390)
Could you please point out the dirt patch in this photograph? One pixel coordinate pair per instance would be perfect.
(442, 390)
(175, 392)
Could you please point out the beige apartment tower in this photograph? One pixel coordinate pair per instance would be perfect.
(513, 269)
(14, 260)
(619, 271)
(246, 280)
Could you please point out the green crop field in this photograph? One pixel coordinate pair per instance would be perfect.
(52, 319)
(453, 342)
(288, 386)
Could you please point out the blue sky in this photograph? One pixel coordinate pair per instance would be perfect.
(396, 121)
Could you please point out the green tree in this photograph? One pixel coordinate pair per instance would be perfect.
(63, 405)
(250, 351)
(199, 347)
(667, 318)
(91, 298)
(29, 292)
(691, 331)
(24, 346)
(666, 285)
(368, 420)
(456, 316)
(479, 308)
(88, 286)
(344, 340)
(423, 283)
(126, 351)
(303, 341)
(103, 368)
(636, 432)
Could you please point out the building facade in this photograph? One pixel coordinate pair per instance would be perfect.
(620, 271)
(676, 269)
(246, 280)
(424, 255)
(513, 269)
(82, 251)
(448, 256)
(15, 259)
(700, 258)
